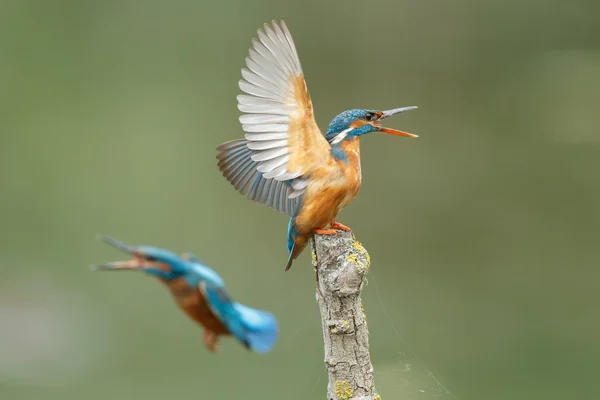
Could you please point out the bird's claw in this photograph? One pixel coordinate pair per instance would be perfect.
(325, 232)
(210, 339)
(341, 227)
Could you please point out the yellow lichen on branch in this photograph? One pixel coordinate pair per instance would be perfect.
(343, 390)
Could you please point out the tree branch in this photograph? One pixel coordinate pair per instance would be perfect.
(342, 263)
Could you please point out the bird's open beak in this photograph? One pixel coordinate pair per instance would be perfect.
(389, 113)
(118, 244)
(136, 263)
(119, 265)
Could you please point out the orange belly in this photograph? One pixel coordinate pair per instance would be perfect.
(321, 205)
(193, 303)
(331, 189)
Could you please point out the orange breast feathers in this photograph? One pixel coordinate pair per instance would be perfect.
(331, 189)
(193, 303)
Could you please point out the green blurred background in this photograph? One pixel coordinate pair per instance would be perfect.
(483, 232)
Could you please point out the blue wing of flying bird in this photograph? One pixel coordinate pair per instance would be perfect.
(257, 329)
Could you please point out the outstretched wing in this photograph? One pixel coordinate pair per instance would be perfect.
(256, 329)
(283, 139)
(235, 162)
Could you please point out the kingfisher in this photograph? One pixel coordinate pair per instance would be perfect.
(284, 161)
(200, 293)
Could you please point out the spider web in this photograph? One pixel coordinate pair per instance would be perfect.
(414, 378)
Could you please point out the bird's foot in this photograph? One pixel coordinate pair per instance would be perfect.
(341, 227)
(325, 231)
(210, 340)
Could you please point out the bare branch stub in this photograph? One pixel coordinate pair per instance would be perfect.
(342, 263)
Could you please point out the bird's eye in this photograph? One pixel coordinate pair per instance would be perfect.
(369, 116)
(150, 258)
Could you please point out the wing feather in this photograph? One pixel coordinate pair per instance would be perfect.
(236, 164)
(283, 144)
(259, 81)
(264, 119)
(266, 128)
(277, 101)
(267, 144)
(270, 77)
(257, 137)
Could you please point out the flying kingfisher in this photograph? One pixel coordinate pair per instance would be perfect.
(284, 161)
(200, 293)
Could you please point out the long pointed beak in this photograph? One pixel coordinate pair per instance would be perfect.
(390, 131)
(389, 113)
(118, 244)
(395, 132)
(136, 263)
(118, 265)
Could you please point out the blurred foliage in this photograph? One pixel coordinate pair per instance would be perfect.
(483, 232)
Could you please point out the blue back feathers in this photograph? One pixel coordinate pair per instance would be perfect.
(292, 234)
(192, 269)
(199, 272)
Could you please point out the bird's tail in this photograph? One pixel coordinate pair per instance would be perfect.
(297, 247)
(261, 328)
(256, 329)
(296, 242)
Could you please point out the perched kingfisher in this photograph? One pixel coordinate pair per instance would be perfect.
(200, 293)
(284, 161)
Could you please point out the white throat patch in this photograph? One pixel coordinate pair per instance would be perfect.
(340, 136)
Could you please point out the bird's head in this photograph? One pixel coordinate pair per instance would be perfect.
(152, 260)
(353, 123)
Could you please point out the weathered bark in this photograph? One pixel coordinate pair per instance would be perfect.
(342, 263)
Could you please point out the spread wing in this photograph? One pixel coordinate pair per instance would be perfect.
(235, 162)
(283, 140)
